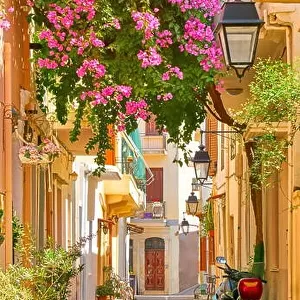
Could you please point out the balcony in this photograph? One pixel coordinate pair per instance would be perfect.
(123, 198)
(130, 167)
(154, 144)
(153, 211)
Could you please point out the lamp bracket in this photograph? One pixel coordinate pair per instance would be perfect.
(240, 72)
(11, 113)
(219, 131)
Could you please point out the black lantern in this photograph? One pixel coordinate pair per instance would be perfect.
(195, 184)
(192, 204)
(238, 30)
(201, 163)
(185, 226)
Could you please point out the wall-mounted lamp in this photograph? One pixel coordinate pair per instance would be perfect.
(73, 176)
(31, 108)
(193, 205)
(201, 163)
(238, 29)
(104, 227)
(201, 160)
(115, 218)
(184, 225)
(28, 132)
(195, 185)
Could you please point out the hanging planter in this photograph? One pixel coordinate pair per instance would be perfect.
(29, 154)
(44, 153)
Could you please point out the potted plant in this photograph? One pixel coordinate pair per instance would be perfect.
(104, 291)
(110, 289)
(207, 221)
(49, 149)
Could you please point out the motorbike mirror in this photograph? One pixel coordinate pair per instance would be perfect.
(221, 260)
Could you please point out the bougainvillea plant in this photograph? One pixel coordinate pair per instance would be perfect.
(117, 61)
(4, 22)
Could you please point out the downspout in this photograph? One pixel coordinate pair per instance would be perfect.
(8, 153)
(239, 174)
(275, 25)
(227, 208)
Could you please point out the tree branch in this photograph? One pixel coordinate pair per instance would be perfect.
(212, 112)
(220, 109)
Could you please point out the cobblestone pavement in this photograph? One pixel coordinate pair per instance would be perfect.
(184, 295)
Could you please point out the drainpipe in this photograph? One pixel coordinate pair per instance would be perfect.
(227, 208)
(287, 27)
(239, 174)
(8, 153)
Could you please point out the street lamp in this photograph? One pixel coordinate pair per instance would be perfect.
(238, 30)
(195, 184)
(201, 163)
(192, 204)
(185, 226)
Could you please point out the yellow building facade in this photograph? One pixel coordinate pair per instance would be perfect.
(233, 214)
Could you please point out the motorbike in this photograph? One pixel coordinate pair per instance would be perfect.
(238, 285)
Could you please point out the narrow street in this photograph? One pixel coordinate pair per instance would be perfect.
(149, 147)
(184, 295)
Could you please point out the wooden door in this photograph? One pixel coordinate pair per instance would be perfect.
(154, 190)
(155, 265)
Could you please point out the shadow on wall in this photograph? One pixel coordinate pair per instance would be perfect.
(188, 260)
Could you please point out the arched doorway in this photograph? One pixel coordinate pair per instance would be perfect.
(154, 264)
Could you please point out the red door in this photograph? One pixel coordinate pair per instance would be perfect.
(155, 269)
(154, 190)
(155, 264)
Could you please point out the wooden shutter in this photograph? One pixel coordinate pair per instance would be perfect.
(203, 266)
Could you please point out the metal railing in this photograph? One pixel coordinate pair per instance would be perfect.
(131, 167)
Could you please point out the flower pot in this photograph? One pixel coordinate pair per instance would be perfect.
(211, 233)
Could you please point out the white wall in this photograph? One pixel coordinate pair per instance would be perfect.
(88, 201)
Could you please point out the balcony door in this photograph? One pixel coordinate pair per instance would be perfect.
(154, 190)
(154, 264)
(151, 127)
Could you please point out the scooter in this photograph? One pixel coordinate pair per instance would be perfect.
(238, 285)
